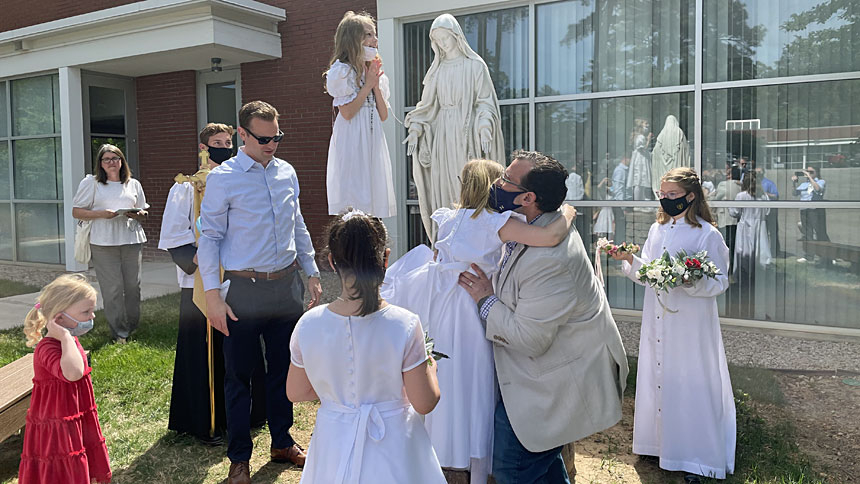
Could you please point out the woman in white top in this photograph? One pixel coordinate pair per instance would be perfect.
(358, 173)
(115, 202)
(365, 360)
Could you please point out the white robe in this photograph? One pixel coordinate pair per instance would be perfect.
(751, 239)
(358, 172)
(685, 410)
(639, 174)
(177, 228)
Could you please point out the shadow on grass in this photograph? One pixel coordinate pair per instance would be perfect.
(171, 456)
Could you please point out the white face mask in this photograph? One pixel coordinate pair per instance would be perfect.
(369, 53)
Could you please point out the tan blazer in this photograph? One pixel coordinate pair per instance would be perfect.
(559, 357)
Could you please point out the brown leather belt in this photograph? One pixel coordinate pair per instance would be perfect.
(265, 276)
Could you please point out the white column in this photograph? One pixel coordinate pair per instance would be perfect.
(72, 132)
(389, 50)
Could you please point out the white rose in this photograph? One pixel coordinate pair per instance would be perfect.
(679, 269)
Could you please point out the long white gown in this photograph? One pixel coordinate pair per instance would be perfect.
(751, 239)
(461, 426)
(358, 173)
(639, 174)
(366, 432)
(685, 411)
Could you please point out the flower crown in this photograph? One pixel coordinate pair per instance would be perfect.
(353, 212)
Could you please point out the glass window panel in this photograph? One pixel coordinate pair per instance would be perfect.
(6, 239)
(38, 169)
(107, 110)
(40, 232)
(4, 129)
(35, 106)
(500, 37)
(781, 131)
(5, 192)
(221, 104)
(613, 45)
(755, 39)
(592, 138)
(515, 129)
(415, 228)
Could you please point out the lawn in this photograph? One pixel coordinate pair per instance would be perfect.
(133, 381)
(14, 288)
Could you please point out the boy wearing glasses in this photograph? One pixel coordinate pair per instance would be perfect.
(252, 226)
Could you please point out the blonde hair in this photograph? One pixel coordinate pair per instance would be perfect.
(638, 125)
(56, 297)
(349, 39)
(475, 182)
(687, 179)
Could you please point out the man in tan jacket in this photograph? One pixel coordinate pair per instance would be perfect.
(558, 354)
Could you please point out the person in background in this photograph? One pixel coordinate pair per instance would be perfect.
(772, 219)
(813, 221)
(116, 241)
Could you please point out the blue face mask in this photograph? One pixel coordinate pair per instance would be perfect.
(501, 200)
(82, 328)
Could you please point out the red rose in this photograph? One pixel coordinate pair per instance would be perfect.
(693, 264)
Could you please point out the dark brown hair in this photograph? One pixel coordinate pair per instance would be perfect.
(212, 129)
(124, 170)
(689, 181)
(545, 179)
(256, 109)
(357, 247)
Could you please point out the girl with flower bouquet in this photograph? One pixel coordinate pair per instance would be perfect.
(685, 412)
(367, 363)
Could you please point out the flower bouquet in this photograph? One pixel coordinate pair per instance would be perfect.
(608, 247)
(431, 353)
(668, 272)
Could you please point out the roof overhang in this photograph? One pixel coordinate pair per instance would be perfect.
(148, 37)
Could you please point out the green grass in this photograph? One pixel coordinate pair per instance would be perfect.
(13, 288)
(132, 385)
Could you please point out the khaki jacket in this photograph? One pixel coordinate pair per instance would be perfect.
(561, 365)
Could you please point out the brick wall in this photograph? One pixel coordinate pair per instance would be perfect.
(28, 12)
(167, 134)
(294, 85)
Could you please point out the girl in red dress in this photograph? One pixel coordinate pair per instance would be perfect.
(63, 441)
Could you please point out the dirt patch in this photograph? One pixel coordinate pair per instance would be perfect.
(824, 411)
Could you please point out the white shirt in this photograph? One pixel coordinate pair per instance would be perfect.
(177, 226)
(119, 230)
(575, 189)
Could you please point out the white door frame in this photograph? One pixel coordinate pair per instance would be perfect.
(207, 77)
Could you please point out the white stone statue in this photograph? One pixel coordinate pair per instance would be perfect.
(670, 151)
(457, 120)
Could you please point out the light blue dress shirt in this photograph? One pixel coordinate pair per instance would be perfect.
(251, 220)
(807, 192)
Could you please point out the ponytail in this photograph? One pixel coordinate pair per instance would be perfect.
(56, 297)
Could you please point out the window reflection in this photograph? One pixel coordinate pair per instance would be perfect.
(783, 132)
(755, 39)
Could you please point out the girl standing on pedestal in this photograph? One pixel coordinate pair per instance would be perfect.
(358, 173)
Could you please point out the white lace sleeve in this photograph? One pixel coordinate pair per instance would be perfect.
(340, 83)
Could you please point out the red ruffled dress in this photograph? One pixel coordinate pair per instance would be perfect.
(63, 440)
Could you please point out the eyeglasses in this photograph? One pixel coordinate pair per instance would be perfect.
(508, 180)
(670, 195)
(264, 140)
(112, 160)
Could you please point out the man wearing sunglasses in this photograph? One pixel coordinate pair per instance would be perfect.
(558, 354)
(252, 225)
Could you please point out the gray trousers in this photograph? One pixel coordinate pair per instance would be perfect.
(118, 272)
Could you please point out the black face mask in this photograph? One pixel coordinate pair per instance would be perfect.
(502, 201)
(219, 155)
(675, 206)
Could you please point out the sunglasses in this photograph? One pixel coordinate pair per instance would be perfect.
(264, 140)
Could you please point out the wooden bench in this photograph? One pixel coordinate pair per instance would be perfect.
(16, 385)
(831, 250)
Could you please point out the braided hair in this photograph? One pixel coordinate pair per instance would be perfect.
(356, 242)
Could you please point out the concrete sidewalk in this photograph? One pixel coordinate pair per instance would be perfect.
(156, 279)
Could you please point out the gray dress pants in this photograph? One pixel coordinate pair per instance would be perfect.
(118, 272)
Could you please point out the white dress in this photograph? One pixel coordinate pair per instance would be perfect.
(461, 426)
(685, 411)
(639, 174)
(751, 240)
(359, 170)
(366, 431)
(605, 221)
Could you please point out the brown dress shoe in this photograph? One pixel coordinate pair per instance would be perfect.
(294, 454)
(240, 473)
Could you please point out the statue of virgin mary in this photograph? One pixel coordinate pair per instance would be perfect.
(457, 120)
